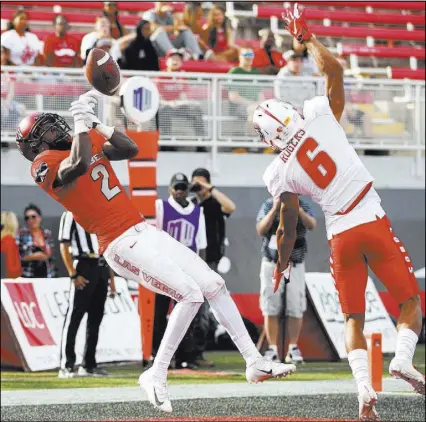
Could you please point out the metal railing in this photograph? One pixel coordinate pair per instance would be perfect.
(214, 110)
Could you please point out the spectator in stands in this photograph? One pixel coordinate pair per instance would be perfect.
(174, 99)
(140, 54)
(218, 36)
(309, 66)
(352, 115)
(24, 46)
(11, 110)
(297, 92)
(270, 303)
(61, 49)
(35, 246)
(100, 38)
(192, 18)
(170, 33)
(245, 97)
(217, 207)
(111, 13)
(267, 59)
(5, 57)
(9, 248)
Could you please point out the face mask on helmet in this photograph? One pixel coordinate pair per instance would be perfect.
(276, 122)
(47, 128)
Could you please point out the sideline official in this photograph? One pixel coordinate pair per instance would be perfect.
(89, 274)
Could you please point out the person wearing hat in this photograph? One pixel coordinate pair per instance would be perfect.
(295, 92)
(176, 102)
(184, 221)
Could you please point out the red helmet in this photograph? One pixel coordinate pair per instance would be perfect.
(42, 128)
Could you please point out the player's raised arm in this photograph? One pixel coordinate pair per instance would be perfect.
(326, 62)
(119, 146)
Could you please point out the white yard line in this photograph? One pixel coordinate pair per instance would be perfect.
(187, 391)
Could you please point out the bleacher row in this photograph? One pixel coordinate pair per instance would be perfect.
(383, 30)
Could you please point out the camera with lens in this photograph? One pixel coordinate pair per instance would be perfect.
(195, 187)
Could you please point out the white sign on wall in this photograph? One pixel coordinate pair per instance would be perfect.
(326, 301)
(36, 309)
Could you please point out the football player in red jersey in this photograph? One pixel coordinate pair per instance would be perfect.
(77, 173)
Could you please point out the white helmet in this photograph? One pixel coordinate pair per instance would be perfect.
(276, 122)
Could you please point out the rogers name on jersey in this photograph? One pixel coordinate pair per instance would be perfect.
(291, 145)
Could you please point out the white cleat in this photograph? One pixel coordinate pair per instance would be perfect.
(404, 369)
(367, 399)
(156, 390)
(263, 369)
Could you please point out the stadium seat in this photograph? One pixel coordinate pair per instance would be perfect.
(47, 89)
(405, 73)
(395, 5)
(124, 6)
(202, 66)
(265, 11)
(73, 17)
(388, 52)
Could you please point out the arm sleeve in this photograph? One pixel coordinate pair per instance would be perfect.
(201, 239)
(66, 227)
(159, 213)
(47, 49)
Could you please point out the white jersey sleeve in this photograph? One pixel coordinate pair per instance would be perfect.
(274, 179)
(315, 107)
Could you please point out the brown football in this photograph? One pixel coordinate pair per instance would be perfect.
(102, 71)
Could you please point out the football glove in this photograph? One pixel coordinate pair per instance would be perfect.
(295, 23)
(84, 116)
(278, 275)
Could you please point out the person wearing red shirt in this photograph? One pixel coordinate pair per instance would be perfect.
(267, 60)
(61, 49)
(9, 248)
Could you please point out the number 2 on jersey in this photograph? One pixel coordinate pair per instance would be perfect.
(320, 168)
(101, 171)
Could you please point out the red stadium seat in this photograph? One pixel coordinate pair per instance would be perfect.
(403, 73)
(265, 11)
(363, 32)
(73, 17)
(388, 52)
(396, 5)
(129, 6)
(202, 66)
(43, 33)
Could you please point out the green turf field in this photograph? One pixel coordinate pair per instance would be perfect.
(229, 364)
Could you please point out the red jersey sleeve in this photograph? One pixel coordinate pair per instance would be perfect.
(45, 168)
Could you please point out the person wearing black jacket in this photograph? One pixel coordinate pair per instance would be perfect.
(140, 53)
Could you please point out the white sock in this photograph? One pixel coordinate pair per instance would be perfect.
(226, 313)
(274, 348)
(406, 344)
(179, 321)
(292, 346)
(358, 361)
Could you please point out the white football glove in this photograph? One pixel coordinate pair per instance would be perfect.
(84, 116)
(90, 99)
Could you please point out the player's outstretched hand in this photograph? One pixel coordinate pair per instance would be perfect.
(90, 97)
(82, 111)
(279, 274)
(295, 23)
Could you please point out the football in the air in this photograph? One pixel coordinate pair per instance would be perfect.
(102, 71)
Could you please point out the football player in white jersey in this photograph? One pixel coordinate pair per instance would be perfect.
(317, 160)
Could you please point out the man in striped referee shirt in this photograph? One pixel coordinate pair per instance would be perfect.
(270, 303)
(89, 274)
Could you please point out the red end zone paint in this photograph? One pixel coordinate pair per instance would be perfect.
(234, 419)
